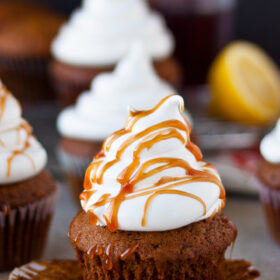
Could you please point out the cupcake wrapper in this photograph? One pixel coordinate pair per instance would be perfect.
(77, 165)
(74, 168)
(270, 199)
(67, 93)
(27, 78)
(97, 268)
(23, 232)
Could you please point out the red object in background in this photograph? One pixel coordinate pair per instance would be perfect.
(201, 29)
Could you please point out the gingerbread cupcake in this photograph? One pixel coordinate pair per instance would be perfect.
(103, 109)
(269, 180)
(99, 34)
(26, 32)
(27, 191)
(151, 205)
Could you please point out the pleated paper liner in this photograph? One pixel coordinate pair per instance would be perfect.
(23, 232)
(74, 168)
(270, 199)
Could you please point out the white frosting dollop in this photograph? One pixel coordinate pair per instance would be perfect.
(167, 183)
(270, 145)
(101, 32)
(21, 155)
(103, 109)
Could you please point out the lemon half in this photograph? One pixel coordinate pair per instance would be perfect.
(245, 84)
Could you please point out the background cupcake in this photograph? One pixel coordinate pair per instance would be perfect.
(269, 180)
(103, 109)
(42, 270)
(26, 32)
(151, 204)
(27, 191)
(99, 34)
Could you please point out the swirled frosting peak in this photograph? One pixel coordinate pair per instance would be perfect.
(101, 32)
(270, 145)
(149, 176)
(103, 109)
(21, 155)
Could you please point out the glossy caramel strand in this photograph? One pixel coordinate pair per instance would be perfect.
(25, 126)
(91, 251)
(98, 178)
(4, 94)
(77, 238)
(2, 144)
(128, 252)
(109, 256)
(156, 193)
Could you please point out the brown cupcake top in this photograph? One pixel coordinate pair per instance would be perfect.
(269, 174)
(26, 192)
(27, 29)
(56, 269)
(196, 240)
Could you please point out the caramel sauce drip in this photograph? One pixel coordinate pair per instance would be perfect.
(128, 252)
(77, 238)
(3, 99)
(4, 94)
(25, 126)
(2, 144)
(109, 256)
(137, 172)
(91, 251)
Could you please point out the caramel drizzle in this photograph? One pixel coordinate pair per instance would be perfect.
(25, 126)
(3, 100)
(135, 172)
(128, 252)
(97, 250)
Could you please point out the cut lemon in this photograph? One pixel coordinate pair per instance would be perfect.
(245, 84)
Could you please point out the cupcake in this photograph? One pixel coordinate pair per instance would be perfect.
(42, 270)
(27, 191)
(103, 109)
(25, 48)
(99, 34)
(151, 206)
(269, 180)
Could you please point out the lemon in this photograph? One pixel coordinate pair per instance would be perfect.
(245, 84)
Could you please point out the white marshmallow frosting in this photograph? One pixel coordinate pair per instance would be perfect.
(173, 206)
(270, 145)
(103, 109)
(101, 32)
(21, 155)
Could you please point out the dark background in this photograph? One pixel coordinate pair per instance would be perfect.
(257, 21)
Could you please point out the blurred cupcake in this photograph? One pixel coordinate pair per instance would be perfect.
(26, 32)
(99, 34)
(27, 191)
(103, 109)
(46, 270)
(151, 205)
(269, 180)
